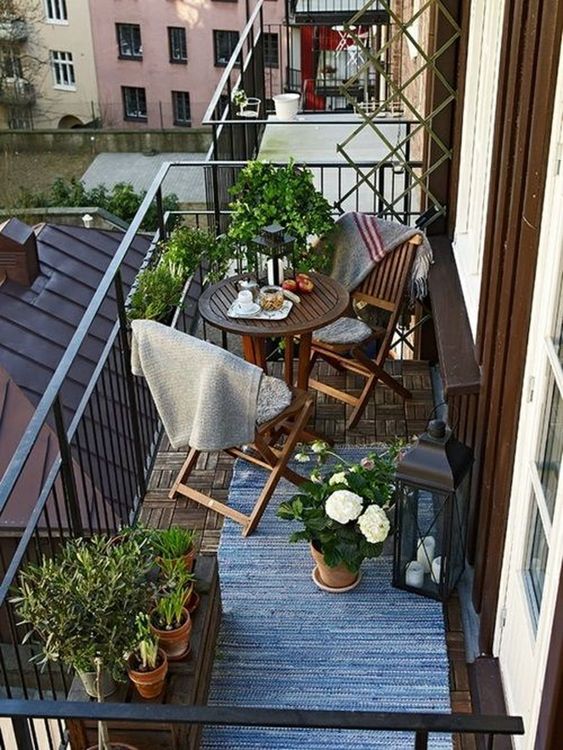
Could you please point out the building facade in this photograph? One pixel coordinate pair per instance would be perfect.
(160, 70)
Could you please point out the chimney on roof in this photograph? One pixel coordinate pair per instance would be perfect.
(18, 252)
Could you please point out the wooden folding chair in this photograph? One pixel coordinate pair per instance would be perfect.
(264, 453)
(384, 288)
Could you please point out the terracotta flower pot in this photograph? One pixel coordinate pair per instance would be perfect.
(175, 643)
(149, 684)
(338, 577)
(188, 559)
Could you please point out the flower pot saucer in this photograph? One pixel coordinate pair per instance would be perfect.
(181, 657)
(194, 602)
(315, 575)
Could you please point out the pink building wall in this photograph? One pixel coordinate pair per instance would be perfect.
(155, 73)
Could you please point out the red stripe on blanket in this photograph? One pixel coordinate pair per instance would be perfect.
(368, 229)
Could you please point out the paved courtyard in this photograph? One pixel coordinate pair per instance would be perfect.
(140, 170)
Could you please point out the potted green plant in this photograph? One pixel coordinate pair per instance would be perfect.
(342, 510)
(265, 194)
(147, 665)
(248, 106)
(188, 247)
(175, 575)
(81, 607)
(175, 543)
(170, 621)
(157, 293)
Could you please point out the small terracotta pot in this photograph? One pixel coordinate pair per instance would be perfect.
(338, 577)
(149, 684)
(188, 559)
(194, 602)
(175, 643)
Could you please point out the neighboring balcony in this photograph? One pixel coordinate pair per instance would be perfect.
(14, 30)
(330, 12)
(17, 91)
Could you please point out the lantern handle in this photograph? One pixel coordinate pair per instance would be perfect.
(433, 412)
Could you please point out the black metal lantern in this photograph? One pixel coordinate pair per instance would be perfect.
(432, 500)
(276, 245)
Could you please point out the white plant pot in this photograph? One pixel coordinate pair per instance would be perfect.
(286, 105)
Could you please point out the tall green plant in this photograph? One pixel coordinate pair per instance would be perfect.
(265, 194)
(174, 542)
(81, 605)
(188, 247)
(158, 292)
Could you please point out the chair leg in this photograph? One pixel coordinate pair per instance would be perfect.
(380, 373)
(278, 471)
(185, 471)
(361, 404)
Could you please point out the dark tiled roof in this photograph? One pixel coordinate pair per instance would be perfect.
(37, 323)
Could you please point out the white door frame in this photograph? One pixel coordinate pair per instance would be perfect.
(521, 640)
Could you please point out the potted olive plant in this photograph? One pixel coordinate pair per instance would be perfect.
(81, 607)
(343, 512)
(147, 665)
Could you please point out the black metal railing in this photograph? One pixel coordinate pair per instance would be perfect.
(328, 12)
(100, 463)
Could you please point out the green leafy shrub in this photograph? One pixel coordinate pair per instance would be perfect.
(188, 247)
(82, 605)
(121, 200)
(264, 194)
(174, 542)
(158, 292)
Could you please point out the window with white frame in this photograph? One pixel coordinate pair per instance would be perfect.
(177, 44)
(55, 11)
(62, 66)
(483, 56)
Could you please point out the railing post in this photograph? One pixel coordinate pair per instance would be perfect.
(132, 396)
(24, 740)
(67, 472)
(421, 740)
(160, 212)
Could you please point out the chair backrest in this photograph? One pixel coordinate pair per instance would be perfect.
(385, 287)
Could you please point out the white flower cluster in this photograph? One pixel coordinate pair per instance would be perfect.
(374, 524)
(339, 478)
(343, 506)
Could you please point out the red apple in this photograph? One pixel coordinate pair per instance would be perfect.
(290, 285)
(303, 276)
(305, 285)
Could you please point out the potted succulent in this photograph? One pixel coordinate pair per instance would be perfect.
(170, 621)
(81, 607)
(343, 513)
(147, 665)
(265, 194)
(175, 543)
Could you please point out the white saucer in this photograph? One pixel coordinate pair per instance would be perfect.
(247, 311)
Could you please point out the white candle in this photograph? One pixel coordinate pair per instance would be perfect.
(414, 575)
(436, 569)
(271, 271)
(425, 552)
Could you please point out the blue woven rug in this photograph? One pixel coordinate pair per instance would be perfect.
(283, 643)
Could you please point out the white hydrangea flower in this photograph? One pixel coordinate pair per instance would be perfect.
(303, 458)
(343, 506)
(374, 524)
(319, 446)
(339, 478)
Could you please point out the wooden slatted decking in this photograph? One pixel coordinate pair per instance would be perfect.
(386, 416)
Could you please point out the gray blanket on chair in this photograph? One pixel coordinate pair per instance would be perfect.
(205, 396)
(362, 240)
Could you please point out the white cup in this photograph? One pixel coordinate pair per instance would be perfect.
(245, 299)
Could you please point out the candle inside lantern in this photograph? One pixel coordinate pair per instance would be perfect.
(425, 552)
(414, 575)
(274, 269)
(436, 569)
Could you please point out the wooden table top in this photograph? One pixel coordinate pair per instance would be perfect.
(327, 302)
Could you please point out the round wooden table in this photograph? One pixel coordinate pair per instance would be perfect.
(327, 302)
